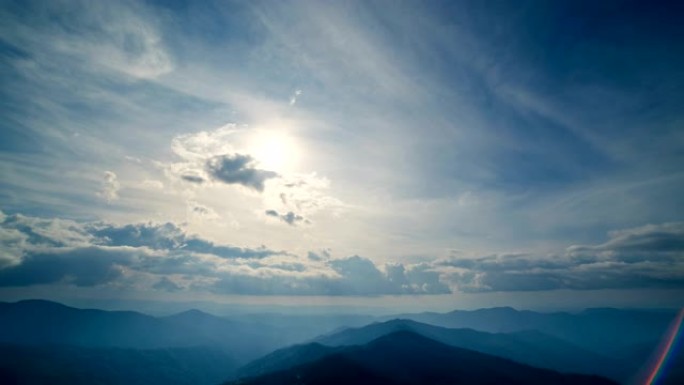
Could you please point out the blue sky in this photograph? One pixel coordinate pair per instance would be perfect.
(458, 152)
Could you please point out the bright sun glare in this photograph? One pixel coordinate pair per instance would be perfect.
(275, 151)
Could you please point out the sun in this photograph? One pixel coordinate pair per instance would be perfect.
(275, 150)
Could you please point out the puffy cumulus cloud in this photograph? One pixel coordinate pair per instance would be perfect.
(290, 218)
(304, 193)
(214, 156)
(44, 251)
(162, 256)
(109, 190)
(230, 155)
(12, 242)
(645, 257)
(238, 169)
(352, 276)
(201, 145)
(42, 232)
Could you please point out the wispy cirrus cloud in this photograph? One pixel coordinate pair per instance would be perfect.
(104, 36)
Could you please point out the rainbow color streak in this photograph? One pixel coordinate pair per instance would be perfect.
(671, 337)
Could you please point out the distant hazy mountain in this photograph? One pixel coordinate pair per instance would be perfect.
(37, 322)
(532, 348)
(78, 365)
(608, 331)
(406, 358)
(604, 341)
(41, 322)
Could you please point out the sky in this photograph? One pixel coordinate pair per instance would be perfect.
(408, 154)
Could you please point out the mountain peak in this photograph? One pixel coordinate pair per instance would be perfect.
(193, 313)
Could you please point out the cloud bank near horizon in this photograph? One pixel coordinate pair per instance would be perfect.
(163, 256)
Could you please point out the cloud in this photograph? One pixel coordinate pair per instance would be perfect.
(152, 184)
(197, 210)
(193, 179)
(295, 95)
(165, 284)
(238, 169)
(651, 239)
(40, 251)
(353, 276)
(119, 36)
(290, 218)
(212, 156)
(323, 255)
(52, 249)
(61, 252)
(305, 194)
(87, 266)
(169, 237)
(644, 257)
(110, 187)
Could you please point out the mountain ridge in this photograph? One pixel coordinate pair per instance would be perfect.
(406, 358)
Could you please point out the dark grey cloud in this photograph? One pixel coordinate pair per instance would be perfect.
(87, 266)
(238, 169)
(654, 240)
(290, 217)
(192, 179)
(645, 257)
(168, 236)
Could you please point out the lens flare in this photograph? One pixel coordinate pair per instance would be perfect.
(666, 348)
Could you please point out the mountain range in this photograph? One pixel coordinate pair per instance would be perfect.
(42, 341)
(407, 358)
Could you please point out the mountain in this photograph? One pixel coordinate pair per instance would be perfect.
(285, 358)
(49, 340)
(39, 323)
(407, 358)
(604, 330)
(79, 365)
(532, 348)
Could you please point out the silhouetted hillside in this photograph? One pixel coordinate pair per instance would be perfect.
(530, 347)
(286, 358)
(407, 358)
(113, 366)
